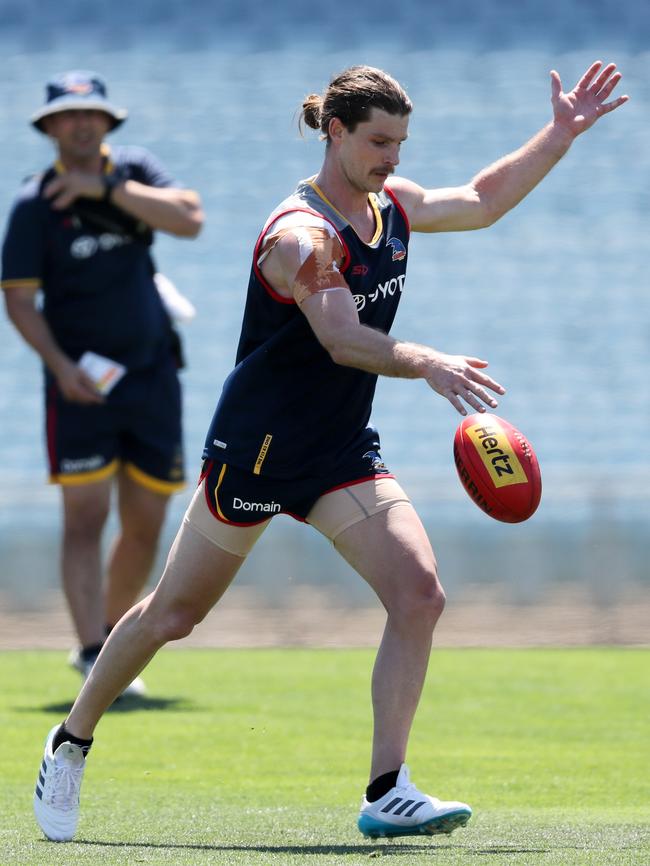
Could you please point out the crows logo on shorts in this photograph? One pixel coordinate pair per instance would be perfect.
(376, 462)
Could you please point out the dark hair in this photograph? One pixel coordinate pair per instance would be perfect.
(351, 96)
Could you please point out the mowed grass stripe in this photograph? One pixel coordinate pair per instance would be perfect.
(260, 756)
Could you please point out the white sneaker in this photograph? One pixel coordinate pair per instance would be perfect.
(405, 811)
(135, 689)
(56, 798)
(77, 661)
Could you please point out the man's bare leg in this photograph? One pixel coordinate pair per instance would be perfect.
(392, 552)
(195, 577)
(142, 513)
(85, 509)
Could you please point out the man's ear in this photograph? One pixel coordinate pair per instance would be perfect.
(336, 129)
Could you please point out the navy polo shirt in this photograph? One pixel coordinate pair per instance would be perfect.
(93, 265)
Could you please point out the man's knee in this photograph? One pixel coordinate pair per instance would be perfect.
(437, 601)
(141, 517)
(85, 517)
(141, 532)
(421, 599)
(171, 621)
(175, 625)
(429, 601)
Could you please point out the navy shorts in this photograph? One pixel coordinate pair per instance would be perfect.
(138, 427)
(241, 498)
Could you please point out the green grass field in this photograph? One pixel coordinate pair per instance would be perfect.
(260, 757)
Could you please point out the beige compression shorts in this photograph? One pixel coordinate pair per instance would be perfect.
(331, 514)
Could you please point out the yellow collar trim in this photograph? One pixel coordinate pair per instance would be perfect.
(372, 201)
(107, 166)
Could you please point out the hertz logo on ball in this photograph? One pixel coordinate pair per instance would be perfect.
(498, 467)
(495, 451)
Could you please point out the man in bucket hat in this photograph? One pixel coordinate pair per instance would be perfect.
(80, 234)
(81, 91)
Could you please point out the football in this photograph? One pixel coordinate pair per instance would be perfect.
(497, 467)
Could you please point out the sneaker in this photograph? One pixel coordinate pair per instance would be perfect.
(135, 689)
(405, 811)
(77, 661)
(56, 798)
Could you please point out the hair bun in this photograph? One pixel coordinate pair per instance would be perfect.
(312, 110)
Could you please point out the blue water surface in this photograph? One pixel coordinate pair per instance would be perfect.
(555, 296)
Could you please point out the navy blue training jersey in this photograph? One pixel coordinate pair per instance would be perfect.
(93, 265)
(287, 410)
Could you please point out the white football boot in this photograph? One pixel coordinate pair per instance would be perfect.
(56, 798)
(135, 689)
(405, 811)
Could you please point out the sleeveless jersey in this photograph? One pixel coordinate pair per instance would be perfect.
(287, 410)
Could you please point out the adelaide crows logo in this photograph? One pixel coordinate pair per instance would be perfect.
(376, 462)
(399, 250)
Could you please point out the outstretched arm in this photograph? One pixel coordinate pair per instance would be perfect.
(501, 186)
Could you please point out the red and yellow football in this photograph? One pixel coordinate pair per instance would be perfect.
(497, 467)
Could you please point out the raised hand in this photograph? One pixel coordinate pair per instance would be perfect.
(585, 104)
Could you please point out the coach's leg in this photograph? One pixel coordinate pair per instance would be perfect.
(392, 552)
(142, 513)
(85, 509)
(195, 577)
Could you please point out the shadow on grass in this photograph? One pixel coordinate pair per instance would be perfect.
(386, 849)
(126, 704)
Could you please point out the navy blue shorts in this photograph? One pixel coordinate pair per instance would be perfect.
(241, 498)
(138, 426)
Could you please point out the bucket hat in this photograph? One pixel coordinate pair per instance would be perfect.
(77, 90)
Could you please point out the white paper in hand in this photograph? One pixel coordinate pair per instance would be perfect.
(104, 372)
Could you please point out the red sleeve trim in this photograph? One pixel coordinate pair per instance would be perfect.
(274, 218)
(389, 192)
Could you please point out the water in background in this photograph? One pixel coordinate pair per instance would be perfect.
(555, 296)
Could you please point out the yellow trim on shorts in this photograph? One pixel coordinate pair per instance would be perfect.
(216, 491)
(79, 478)
(151, 483)
(26, 283)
